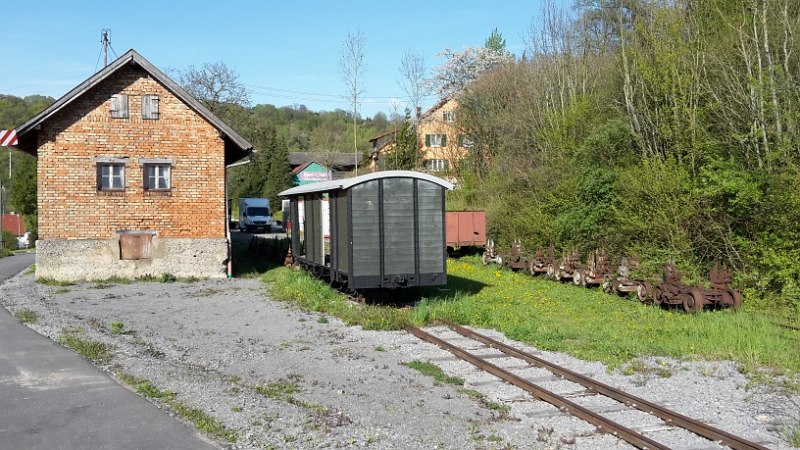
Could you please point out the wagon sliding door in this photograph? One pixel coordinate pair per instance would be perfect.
(365, 250)
(431, 234)
(399, 263)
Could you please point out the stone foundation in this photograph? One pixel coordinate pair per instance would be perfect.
(99, 259)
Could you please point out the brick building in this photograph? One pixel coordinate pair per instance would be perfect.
(131, 178)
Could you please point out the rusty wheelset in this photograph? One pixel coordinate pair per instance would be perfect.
(596, 272)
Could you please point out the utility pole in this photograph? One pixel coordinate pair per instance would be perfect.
(105, 42)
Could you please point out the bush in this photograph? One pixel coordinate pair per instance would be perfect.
(9, 241)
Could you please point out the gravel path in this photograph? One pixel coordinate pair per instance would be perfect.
(284, 378)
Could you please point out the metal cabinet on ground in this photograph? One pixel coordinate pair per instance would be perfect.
(387, 230)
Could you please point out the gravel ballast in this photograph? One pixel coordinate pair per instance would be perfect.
(280, 377)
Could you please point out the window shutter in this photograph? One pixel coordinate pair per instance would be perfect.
(460, 140)
(446, 165)
(427, 140)
(444, 116)
(444, 140)
(150, 107)
(119, 106)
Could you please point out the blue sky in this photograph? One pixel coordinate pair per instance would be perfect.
(284, 52)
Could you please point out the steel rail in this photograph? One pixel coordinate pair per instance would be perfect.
(605, 425)
(668, 416)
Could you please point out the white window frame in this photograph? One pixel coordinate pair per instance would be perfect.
(158, 170)
(466, 142)
(158, 174)
(449, 116)
(435, 165)
(107, 180)
(436, 140)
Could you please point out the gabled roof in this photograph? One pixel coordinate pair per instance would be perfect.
(347, 183)
(433, 108)
(301, 168)
(383, 135)
(236, 147)
(329, 159)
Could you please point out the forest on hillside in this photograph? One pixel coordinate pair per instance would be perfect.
(668, 128)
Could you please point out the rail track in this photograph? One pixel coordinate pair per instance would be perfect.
(594, 416)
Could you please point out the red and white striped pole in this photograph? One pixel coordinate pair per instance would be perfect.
(8, 138)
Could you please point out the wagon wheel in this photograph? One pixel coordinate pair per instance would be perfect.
(693, 300)
(608, 286)
(559, 273)
(500, 261)
(585, 278)
(737, 298)
(528, 267)
(577, 275)
(643, 291)
(485, 259)
(657, 296)
(551, 271)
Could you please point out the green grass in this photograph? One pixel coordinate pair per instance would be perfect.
(434, 371)
(280, 390)
(204, 422)
(27, 316)
(117, 327)
(95, 351)
(585, 323)
(791, 432)
(144, 387)
(52, 282)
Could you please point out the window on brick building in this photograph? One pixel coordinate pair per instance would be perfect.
(110, 176)
(156, 177)
(119, 106)
(150, 107)
(157, 173)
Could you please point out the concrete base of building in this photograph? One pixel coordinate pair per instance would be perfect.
(99, 259)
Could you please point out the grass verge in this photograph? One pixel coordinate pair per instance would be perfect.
(144, 387)
(27, 316)
(201, 420)
(94, 351)
(586, 323)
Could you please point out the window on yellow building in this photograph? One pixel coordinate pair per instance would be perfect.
(448, 116)
(435, 140)
(435, 165)
(465, 141)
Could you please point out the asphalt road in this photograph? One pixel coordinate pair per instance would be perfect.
(51, 398)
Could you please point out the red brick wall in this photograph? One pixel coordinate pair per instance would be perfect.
(71, 207)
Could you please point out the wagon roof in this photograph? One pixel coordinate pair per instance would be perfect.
(347, 183)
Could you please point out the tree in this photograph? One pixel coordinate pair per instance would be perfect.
(351, 69)
(412, 81)
(405, 146)
(216, 86)
(461, 68)
(496, 43)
